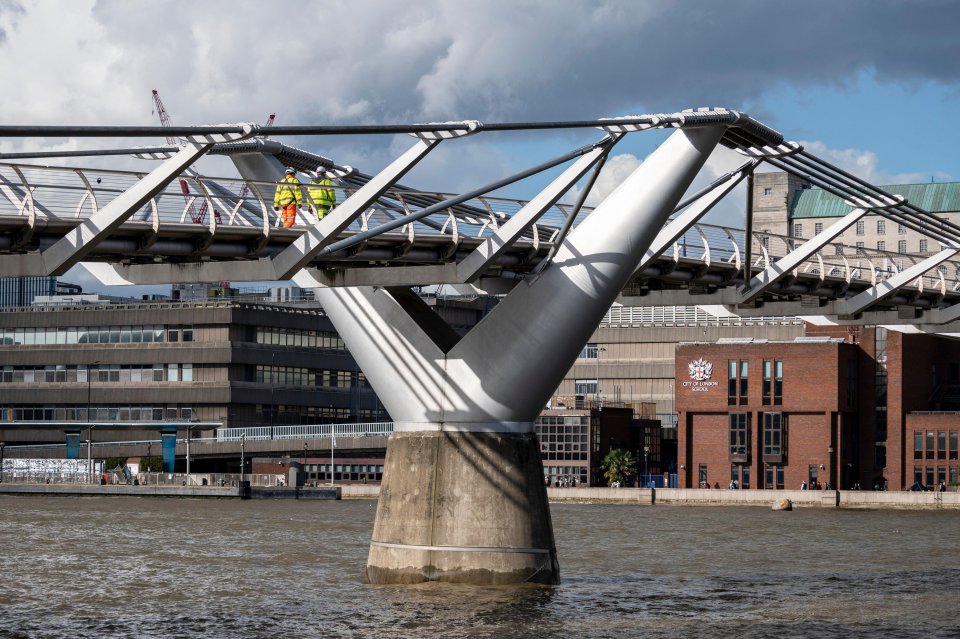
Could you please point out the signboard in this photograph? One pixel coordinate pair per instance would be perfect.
(700, 372)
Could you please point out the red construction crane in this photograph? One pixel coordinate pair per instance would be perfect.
(166, 120)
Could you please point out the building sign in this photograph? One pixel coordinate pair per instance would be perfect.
(700, 372)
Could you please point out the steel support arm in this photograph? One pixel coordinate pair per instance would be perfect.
(478, 261)
(886, 288)
(77, 243)
(694, 211)
(764, 280)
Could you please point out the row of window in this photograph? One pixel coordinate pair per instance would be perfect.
(773, 433)
(78, 413)
(344, 472)
(933, 475)
(100, 373)
(301, 338)
(30, 336)
(740, 477)
(861, 228)
(738, 373)
(298, 376)
(565, 475)
(934, 444)
(286, 414)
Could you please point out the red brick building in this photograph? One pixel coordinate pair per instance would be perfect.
(865, 407)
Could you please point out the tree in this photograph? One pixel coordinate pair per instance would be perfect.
(618, 465)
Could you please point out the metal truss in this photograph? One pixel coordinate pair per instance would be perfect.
(134, 228)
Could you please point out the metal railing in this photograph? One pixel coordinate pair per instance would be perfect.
(311, 431)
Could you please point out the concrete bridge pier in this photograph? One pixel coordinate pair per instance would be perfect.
(463, 496)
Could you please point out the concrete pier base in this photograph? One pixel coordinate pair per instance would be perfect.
(466, 507)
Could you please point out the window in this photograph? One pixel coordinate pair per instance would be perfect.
(188, 333)
(901, 229)
(732, 381)
(745, 483)
(917, 445)
(773, 439)
(839, 248)
(902, 246)
(942, 444)
(813, 475)
(740, 437)
(953, 444)
(818, 228)
(774, 476)
(798, 230)
(767, 190)
(860, 250)
(881, 245)
(585, 386)
(778, 382)
(744, 369)
(702, 476)
(881, 227)
(929, 444)
(860, 228)
(766, 391)
(589, 351)
(923, 247)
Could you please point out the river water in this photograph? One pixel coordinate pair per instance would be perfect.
(149, 567)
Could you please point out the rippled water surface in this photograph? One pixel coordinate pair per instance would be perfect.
(143, 567)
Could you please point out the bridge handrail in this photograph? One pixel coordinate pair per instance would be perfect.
(308, 431)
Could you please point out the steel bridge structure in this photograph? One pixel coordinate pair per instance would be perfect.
(463, 497)
(133, 227)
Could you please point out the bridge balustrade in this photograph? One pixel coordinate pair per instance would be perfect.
(308, 431)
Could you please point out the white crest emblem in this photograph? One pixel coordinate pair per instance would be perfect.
(700, 369)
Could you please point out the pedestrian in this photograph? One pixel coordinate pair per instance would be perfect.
(322, 196)
(288, 197)
(942, 486)
(803, 485)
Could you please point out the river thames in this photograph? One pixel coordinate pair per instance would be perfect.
(150, 567)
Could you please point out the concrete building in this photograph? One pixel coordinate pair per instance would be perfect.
(867, 407)
(239, 364)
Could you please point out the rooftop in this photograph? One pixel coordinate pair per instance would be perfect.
(936, 197)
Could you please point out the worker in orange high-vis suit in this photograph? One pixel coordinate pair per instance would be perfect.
(288, 197)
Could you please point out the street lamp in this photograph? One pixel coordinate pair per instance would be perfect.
(243, 439)
(273, 383)
(596, 395)
(646, 469)
(89, 421)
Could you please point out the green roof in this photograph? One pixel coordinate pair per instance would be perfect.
(936, 197)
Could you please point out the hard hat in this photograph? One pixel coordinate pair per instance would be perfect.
(290, 169)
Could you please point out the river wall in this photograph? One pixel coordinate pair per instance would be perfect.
(724, 497)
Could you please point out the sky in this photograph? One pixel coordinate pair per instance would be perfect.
(871, 85)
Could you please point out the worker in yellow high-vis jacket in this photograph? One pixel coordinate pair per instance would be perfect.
(321, 194)
(288, 197)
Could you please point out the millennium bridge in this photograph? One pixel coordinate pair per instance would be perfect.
(462, 497)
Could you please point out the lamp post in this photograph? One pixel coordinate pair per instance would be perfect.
(596, 395)
(89, 421)
(189, 433)
(2, 444)
(273, 383)
(243, 439)
(646, 469)
(148, 464)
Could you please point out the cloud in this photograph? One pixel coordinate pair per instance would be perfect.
(865, 164)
